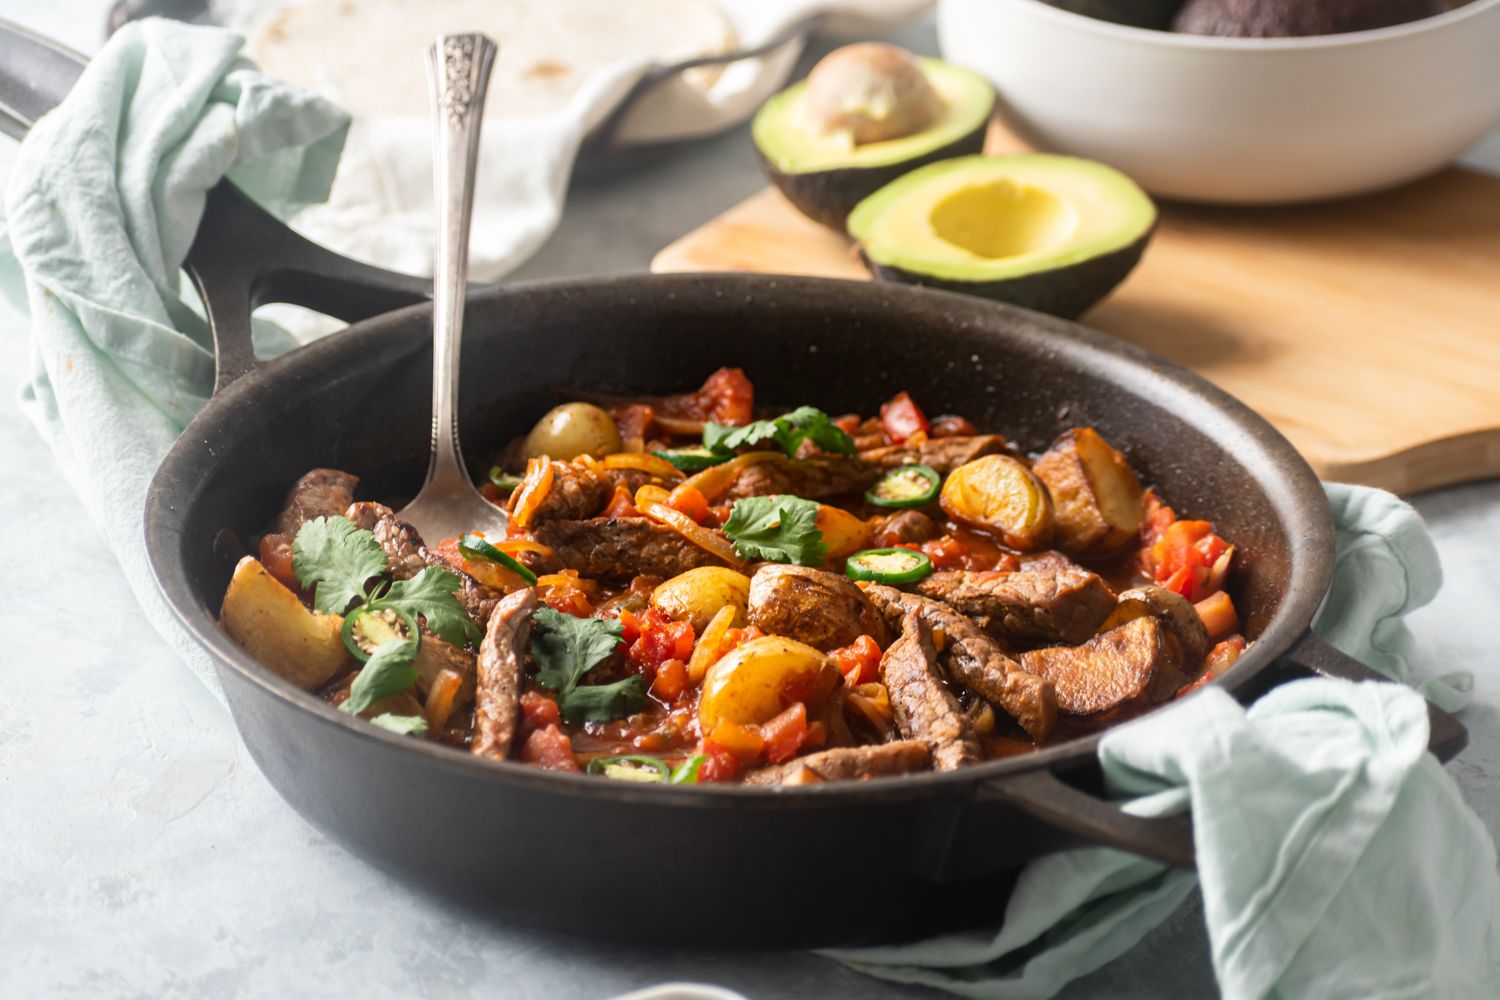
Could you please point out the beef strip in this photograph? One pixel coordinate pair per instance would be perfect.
(909, 527)
(577, 493)
(502, 662)
(621, 548)
(811, 478)
(943, 454)
(924, 708)
(407, 556)
(434, 656)
(977, 662)
(846, 763)
(320, 493)
(1050, 605)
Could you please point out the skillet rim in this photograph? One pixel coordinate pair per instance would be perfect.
(1293, 486)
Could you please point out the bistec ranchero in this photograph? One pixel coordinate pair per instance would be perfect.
(688, 594)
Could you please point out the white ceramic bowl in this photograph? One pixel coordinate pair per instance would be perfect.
(1246, 120)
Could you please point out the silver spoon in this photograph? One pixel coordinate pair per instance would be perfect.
(458, 71)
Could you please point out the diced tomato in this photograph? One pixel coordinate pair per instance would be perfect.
(946, 552)
(538, 712)
(276, 557)
(859, 661)
(1156, 518)
(739, 636)
(550, 749)
(569, 600)
(718, 515)
(848, 423)
(1183, 556)
(949, 425)
(622, 504)
(784, 735)
(726, 397)
(634, 423)
(657, 639)
(671, 680)
(901, 418)
(719, 765)
(689, 501)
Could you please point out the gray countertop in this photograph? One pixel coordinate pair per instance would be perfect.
(147, 856)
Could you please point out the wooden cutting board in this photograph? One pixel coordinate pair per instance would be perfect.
(1367, 331)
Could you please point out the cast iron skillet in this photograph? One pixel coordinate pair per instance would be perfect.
(712, 866)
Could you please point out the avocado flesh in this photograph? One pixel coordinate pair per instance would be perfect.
(825, 174)
(1052, 233)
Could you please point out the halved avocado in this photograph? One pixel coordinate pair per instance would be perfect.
(825, 173)
(1051, 233)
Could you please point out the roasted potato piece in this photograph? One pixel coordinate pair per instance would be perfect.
(1176, 612)
(999, 494)
(1096, 494)
(570, 430)
(843, 533)
(757, 681)
(697, 595)
(267, 619)
(1140, 659)
(822, 609)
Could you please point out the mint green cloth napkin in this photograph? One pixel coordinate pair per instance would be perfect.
(102, 204)
(1337, 859)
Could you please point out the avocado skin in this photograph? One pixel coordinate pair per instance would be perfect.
(1294, 18)
(1067, 292)
(828, 196)
(1136, 13)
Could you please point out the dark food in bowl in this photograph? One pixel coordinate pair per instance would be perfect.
(865, 115)
(1137, 13)
(649, 624)
(1289, 18)
(1051, 233)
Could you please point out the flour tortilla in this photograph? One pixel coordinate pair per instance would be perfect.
(368, 54)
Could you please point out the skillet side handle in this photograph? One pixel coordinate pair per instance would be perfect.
(244, 257)
(1446, 738)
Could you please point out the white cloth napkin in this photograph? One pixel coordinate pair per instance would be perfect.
(381, 211)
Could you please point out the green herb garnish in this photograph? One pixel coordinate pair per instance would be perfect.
(388, 671)
(564, 648)
(777, 528)
(788, 431)
(336, 558)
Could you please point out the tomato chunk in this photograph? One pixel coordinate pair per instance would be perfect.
(901, 418)
(654, 639)
(859, 661)
(276, 557)
(726, 397)
(550, 749)
(538, 712)
(719, 764)
(786, 734)
(690, 502)
(1184, 555)
(671, 680)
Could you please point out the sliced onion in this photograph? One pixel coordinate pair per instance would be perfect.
(1219, 573)
(658, 467)
(713, 481)
(682, 426)
(650, 494)
(709, 541)
(710, 645)
(510, 546)
(441, 696)
(533, 490)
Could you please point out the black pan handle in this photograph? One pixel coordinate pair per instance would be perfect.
(243, 257)
(1074, 807)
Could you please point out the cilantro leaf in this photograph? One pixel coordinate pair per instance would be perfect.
(604, 702)
(388, 671)
(777, 528)
(404, 725)
(431, 594)
(335, 557)
(788, 431)
(565, 648)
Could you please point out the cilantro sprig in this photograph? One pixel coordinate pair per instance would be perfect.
(564, 649)
(787, 432)
(777, 528)
(343, 564)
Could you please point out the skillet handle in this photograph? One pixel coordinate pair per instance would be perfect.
(244, 257)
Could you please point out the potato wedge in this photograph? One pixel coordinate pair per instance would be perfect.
(1096, 493)
(697, 595)
(755, 682)
(999, 494)
(271, 624)
(824, 610)
(1137, 660)
(1176, 612)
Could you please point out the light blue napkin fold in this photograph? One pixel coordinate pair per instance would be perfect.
(1336, 858)
(102, 205)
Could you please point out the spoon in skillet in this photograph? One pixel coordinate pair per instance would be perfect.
(458, 71)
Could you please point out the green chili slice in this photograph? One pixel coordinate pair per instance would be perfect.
(367, 628)
(906, 486)
(889, 566)
(686, 773)
(632, 767)
(476, 548)
(694, 459)
(504, 480)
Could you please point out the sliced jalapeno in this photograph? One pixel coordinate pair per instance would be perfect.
(906, 486)
(476, 548)
(686, 773)
(366, 629)
(504, 480)
(632, 767)
(889, 566)
(693, 459)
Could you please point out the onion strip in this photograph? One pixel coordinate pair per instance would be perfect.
(534, 489)
(440, 697)
(714, 480)
(650, 494)
(709, 541)
(710, 646)
(650, 464)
